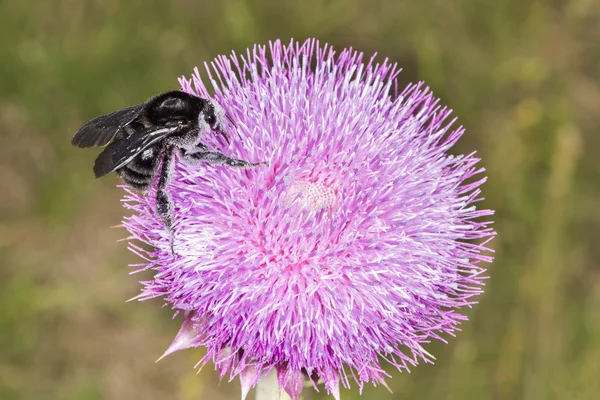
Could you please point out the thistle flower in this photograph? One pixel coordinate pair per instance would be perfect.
(358, 241)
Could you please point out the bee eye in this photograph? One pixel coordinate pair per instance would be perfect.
(210, 119)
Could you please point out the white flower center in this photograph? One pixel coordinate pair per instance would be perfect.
(311, 195)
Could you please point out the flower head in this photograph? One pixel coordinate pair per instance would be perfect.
(358, 240)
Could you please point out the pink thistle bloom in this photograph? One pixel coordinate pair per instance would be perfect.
(358, 240)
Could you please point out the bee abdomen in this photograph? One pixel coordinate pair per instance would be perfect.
(138, 180)
(140, 171)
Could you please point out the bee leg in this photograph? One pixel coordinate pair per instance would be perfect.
(214, 157)
(164, 203)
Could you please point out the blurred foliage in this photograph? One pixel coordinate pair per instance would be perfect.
(521, 75)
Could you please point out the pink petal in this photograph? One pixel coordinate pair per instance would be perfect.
(333, 387)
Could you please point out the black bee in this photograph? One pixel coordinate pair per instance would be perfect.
(141, 138)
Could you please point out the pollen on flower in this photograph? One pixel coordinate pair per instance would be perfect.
(313, 196)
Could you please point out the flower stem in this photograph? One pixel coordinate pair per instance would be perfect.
(268, 388)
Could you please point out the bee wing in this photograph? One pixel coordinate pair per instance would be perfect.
(100, 130)
(121, 151)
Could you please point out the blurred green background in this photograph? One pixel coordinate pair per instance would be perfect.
(521, 75)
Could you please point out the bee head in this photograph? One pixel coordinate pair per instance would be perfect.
(209, 116)
(212, 115)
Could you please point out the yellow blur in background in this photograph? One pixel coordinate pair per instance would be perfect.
(521, 75)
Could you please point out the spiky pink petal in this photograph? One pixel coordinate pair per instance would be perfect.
(290, 380)
(249, 377)
(185, 338)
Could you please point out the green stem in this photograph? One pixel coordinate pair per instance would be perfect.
(268, 388)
